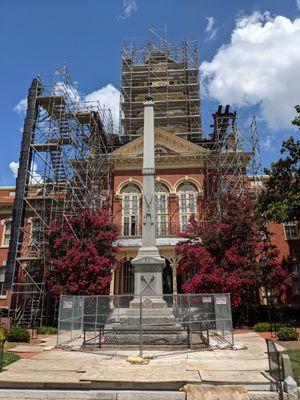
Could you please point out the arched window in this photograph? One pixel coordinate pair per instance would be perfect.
(161, 198)
(160, 151)
(6, 233)
(36, 236)
(130, 210)
(187, 203)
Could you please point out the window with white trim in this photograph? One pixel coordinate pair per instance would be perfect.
(36, 236)
(6, 233)
(291, 230)
(130, 210)
(187, 193)
(191, 272)
(296, 276)
(2, 278)
(161, 201)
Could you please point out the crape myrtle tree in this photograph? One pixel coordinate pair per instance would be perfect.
(224, 256)
(82, 254)
(280, 201)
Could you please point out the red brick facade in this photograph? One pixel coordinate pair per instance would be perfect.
(173, 172)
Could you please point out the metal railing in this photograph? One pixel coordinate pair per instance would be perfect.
(145, 322)
(275, 366)
(2, 342)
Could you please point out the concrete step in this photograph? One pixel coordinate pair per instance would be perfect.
(90, 395)
(15, 394)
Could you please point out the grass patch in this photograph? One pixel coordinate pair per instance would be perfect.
(295, 360)
(9, 358)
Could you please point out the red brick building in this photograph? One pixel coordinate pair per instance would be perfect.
(180, 179)
(187, 165)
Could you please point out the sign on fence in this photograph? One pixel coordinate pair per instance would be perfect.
(67, 304)
(206, 299)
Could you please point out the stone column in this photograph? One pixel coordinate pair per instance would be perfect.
(148, 264)
(174, 266)
(112, 287)
(112, 282)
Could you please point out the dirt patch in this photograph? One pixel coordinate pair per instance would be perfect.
(242, 330)
(267, 335)
(27, 355)
(292, 345)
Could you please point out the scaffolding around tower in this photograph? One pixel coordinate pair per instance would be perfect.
(170, 74)
(63, 170)
(232, 167)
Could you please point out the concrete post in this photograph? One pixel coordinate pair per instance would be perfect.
(112, 287)
(174, 266)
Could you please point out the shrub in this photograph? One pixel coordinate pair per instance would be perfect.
(18, 334)
(250, 314)
(46, 330)
(287, 334)
(3, 334)
(262, 327)
(4, 312)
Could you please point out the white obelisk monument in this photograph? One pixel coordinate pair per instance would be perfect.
(148, 264)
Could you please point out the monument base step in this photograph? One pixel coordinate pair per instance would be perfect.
(147, 339)
(128, 333)
(145, 321)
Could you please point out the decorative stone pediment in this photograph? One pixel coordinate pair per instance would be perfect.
(168, 146)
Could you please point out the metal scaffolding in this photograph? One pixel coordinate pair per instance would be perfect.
(66, 165)
(63, 170)
(170, 74)
(232, 165)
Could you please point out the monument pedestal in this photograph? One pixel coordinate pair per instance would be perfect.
(148, 285)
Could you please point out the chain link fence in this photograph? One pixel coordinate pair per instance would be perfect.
(167, 322)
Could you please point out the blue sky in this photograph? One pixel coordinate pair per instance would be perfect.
(259, 69)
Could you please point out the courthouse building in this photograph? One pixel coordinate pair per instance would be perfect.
(191, 167)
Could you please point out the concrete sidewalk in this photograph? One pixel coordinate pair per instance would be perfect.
(60, 369)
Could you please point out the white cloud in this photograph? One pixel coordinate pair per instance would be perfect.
(298, 4)
(21, 107)
(260, 66)
(58, 88)
(14, 166)
(108, 97)
(211, 29)
(129, 8)
(268, 143)
(61, 88)
(35, 177)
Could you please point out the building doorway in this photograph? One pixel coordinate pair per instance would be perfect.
(179, 283)
(167, 276)
(124, 279)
